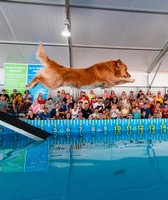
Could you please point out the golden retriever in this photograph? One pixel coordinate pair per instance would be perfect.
(104, 74)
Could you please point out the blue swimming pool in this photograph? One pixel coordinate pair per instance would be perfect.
(90, 167)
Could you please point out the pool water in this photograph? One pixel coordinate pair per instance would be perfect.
(65, 168)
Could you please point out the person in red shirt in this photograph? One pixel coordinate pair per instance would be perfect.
(40, 99)
(165, 111)
(157, 109)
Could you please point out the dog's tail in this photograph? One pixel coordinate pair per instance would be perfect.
(41, 55)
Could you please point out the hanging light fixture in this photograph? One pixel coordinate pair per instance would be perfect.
(66, 32)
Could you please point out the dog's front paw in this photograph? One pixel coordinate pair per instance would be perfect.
(131, 80)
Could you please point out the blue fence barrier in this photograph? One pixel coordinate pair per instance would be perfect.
(115, 127)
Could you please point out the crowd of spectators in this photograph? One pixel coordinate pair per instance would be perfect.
(87, 106)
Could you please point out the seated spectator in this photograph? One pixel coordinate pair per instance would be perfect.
(123, 95)
(17, 103)
(30, 115)
(91, 95)
(80, 104)
(99, 103)
(157, 109)
(119, 115)
(63, 94)
(3, 104)
(149, 96)
(139, 93)
(13, 95)
(3, 93)
(120, 104)
(83, 96)
(41, 108)
(131, 96)
(136, 113)
(114, 100)
(44, 115)
(145, 111)
(86, 111)
(62, 109)
(96, 114)
(27, 98)
(69, 105)
(68, 115)
(74, 111)
(27, 95)
(40, 99)
(35, 107)
(80, 115)
(129, 116)
(165, 111)
(71, 101)
(57, 116)
(157, 114)
(50, 104)
(112, 94)
(113, 111)
(159, 98)
(58, 98)
(105, 95)
(92, 102)
(90, 117)
(125, 111)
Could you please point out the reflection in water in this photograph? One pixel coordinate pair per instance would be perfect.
(91, 166)
(19, 153)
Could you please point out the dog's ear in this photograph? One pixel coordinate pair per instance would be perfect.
(119, 62)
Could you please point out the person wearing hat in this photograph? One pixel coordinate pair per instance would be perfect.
(44, 115)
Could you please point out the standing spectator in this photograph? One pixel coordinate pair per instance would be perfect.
(3, 104)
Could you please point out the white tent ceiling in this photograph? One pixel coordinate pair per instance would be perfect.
(135, 31)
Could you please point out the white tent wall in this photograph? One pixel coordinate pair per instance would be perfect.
(133, 31)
